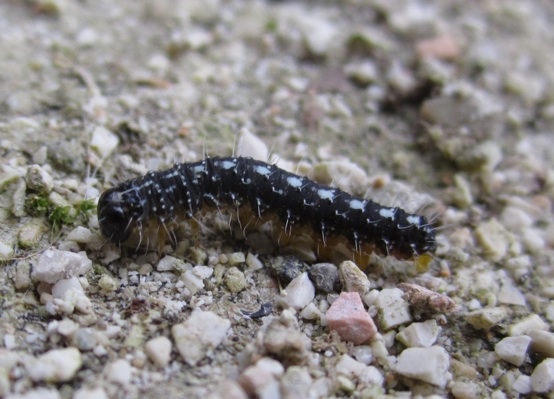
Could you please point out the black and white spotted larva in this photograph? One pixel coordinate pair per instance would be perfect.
(261, 192)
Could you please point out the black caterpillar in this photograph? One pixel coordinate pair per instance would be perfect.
(259, 191)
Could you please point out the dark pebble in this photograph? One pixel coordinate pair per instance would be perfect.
(287, 268)
(325, 277)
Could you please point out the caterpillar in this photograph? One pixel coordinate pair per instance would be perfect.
(259, 192)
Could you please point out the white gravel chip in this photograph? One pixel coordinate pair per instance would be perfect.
(192, 281)
(250, 145)
(68, 296)
(39, 180)
(167, 263)
(485, 319)
(317, 32)
(6, 251)
(513, 349)
(158, 350)
(203, 272)
(353, 279)
(39, 393)
(542, 379)
(253, 262)
(108, 283)
(103, 141)
(419, 334)
(81, 235)
(542, 341)
(54, 265)
(532, 322)
(119, 372)
(90, 393)
(493, 239)
(236, 258)
(67, 327)
(425, 364)
(58, 365)
(199, 335)
(349, 367)
(300, 291)
(260, 380)
(509, 294)
(522, 384)
(4, 382)
(393, 309)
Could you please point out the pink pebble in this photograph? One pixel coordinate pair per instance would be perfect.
(349, 319)
(440, 47)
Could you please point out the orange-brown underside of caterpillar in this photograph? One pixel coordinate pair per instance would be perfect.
(298, 239)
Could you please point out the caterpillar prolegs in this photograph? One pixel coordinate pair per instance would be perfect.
(261, 192)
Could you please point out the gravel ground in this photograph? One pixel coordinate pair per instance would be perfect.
(445, 106)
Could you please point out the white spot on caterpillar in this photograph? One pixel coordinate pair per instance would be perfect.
(414, 219)
(387, 212)
(228, 165)
(357, 204)
(262, 170)
(326, 194)
(294, 181)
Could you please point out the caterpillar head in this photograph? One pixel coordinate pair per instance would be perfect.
(411, 236)
(117, 213)
(419, 239)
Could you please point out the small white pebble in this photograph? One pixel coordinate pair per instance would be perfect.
(103, 141)
(9, 341)
(67, 327)
(363, 354)
(6, 251)
(300, 291)
(542, 379)
(80, 234)
(433, 370)
(272, 366)
(203, 272)
(311, 312)
(393, 309)
(522, 384)
(119, 372)
(532, 240)
(199, 335)
(542, 341)
(158, 63)
(158, 350)
(38, 179)
(349, 367)
(167, 263)
(513, 349)
(107, 283)
(465, 390)
(54, 265)
(494, 239)
(532, 322)
(57, 365)
(509, 294)
(250, 145)
(236, 258)
(253, 262)
(90, 393)
(419, 334)
(145, 269)
(192, 281)
(86, 37)
(485, 319)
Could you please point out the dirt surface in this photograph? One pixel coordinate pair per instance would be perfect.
(445, 106)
